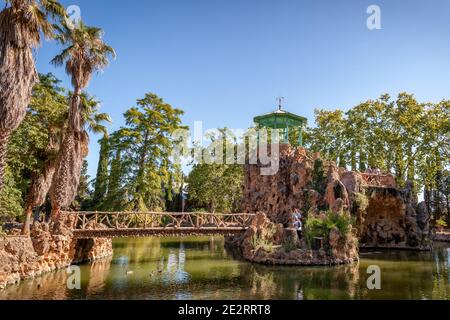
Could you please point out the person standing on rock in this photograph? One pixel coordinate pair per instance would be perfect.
(298, 225)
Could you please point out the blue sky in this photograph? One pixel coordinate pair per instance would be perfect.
(225, 61)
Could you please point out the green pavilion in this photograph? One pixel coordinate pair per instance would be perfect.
(287, 123)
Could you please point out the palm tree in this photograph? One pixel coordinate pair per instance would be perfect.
(21, 24)
(41, 183)
(84, 53)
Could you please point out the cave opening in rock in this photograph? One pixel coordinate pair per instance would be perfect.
(384, 222)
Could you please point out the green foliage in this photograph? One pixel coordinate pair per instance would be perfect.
(441, 223)
(263, 239)
(214, 184)
(319, 179)
(141, 175)
(44, 119)
(260, 243)
(31, 146)
(321, 226)
(289, 245)
(101, 179)
(401, 136)
(395, 136)
(11, 203)
(361, 201)
(215, 187)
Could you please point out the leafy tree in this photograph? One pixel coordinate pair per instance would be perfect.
(141, 171)
(402, 136)
(216, 184)
(40, 134)
(115, 195)
(33, 146)
(101, 179)
(11, 201)
(21, 24)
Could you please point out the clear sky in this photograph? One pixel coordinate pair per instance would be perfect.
(225, 61)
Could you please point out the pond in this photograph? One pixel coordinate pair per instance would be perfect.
(200, 268)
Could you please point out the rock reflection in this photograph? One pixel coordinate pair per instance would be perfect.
(51, 286)
(301, 283)
(98, 273)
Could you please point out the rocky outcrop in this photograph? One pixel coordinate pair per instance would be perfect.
(390, 217)
(270, 243)
(278, 195)
(384, 214)
(18, 260)
(50, 246)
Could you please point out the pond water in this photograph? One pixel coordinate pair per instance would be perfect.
(200, 268)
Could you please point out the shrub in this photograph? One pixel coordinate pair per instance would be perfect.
(264, 243)
(289, 245)
(441, 223)
(10, 199)
(317, 227)
(361, 201)
(260, 243)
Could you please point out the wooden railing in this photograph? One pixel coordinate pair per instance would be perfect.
(94, 220)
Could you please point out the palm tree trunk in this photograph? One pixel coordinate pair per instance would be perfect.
(4, 138)
(27, 222)
(37, 194)
(67, 175)
(70, 160)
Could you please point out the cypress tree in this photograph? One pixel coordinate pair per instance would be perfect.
(101, 179)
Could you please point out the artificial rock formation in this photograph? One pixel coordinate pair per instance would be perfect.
(50, 246)
(384, 215)
(271, 243)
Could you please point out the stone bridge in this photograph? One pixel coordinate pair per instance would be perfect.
(95, 224)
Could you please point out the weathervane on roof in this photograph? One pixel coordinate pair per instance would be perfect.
(280, 101)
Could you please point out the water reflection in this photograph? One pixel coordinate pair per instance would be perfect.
(200, 268)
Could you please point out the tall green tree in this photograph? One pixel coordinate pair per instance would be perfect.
(33, 146)
(46, 119)
(215, 184)
(84, 53)
(402, 136)
(101, 178)
(22, 22)
(143, 151)
(115, 196)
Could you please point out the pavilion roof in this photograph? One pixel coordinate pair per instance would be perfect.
(280, 113)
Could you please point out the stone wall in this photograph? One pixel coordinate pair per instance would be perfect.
(18, 260)
(49, 247)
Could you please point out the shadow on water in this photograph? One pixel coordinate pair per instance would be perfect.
(200, 268)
